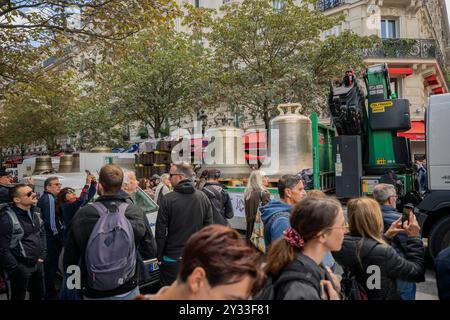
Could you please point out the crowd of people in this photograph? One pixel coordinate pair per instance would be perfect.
(312, 249)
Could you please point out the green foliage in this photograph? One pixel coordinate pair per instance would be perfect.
(265, 56)
(162, 76)
(38, 112)
(35, 29)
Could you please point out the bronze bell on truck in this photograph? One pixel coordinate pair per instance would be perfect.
(65, 163)
(43, 164)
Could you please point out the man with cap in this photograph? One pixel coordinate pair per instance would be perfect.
(219, 198)
(5, 185)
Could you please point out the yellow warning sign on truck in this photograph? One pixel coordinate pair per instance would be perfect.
(378, 107)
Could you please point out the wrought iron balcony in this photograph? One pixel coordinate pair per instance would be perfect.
(407, 49)
(323, 5)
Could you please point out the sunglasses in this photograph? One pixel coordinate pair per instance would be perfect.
(70, 191)
(29, 194)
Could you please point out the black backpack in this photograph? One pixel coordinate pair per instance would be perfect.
(271, 288)
(350, 287)
(217, 199)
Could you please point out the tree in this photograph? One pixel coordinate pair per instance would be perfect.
(164, 76)
(266, 56)
(92, 123)
(38, 112)
(34, 29)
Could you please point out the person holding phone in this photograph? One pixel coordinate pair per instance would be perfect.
(386, 196)
(67, 203)
(367, 253)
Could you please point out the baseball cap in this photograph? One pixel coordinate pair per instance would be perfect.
(3, 172)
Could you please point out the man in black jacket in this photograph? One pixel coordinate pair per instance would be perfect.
(23, 244)
(110, 183)
(181, 213)
(53, 231)
(219, 197)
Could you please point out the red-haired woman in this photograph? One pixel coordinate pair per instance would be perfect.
(202, 273)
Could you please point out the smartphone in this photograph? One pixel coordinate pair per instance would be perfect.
(407, 210)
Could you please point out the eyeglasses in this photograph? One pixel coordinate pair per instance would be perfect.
(345, 227)
(57, 184)
(70, 191)
(175, 174)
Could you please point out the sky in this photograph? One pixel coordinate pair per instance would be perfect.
(447, 4)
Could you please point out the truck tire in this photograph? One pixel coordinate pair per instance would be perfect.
(439, 238)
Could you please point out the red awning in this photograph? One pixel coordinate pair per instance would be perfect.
(400, 71)
(438, 90)
(416, 133)
(431, 80)
(255, 140)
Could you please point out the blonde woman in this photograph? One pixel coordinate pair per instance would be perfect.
(367, 254)
(254, 195)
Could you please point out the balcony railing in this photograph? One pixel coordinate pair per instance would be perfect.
(323, 5)
(407, 49)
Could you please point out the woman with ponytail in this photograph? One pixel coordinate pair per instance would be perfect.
(294, 267)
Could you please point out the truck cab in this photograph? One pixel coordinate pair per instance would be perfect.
(433, 212)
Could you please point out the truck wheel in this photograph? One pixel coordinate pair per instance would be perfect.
(439, 238)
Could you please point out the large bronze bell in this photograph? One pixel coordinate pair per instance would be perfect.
(65, 163)
(75, 162)
(43, 165)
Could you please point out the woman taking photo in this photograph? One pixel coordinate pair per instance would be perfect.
(294, 265)
(365, 247)
(67, 203)
(255, 195)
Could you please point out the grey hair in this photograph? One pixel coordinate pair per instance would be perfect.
(383, 191)
(165, 176)
(255, 183)
(185, 169)
(126, 178)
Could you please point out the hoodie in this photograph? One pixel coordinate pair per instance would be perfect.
(182, 212)
(275, 216)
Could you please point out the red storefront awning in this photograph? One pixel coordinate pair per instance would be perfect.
(416, 133)
(439, 90)
(400, 71)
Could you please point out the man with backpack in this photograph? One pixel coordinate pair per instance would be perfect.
(219, 198)
(104, 241)
(23, 244)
